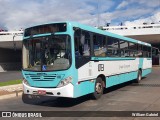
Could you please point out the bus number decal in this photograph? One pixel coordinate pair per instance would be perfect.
(100, 67)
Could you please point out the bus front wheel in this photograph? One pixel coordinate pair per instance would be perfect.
(98, 90)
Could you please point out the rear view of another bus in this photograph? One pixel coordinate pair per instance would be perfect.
(155, 56)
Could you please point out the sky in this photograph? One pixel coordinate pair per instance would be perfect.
(17, 14)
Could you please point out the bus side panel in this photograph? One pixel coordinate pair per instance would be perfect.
(140, 63)
(84, 88)
(146, 72)
(112, 80)
(128, 76)
(116, 70)
(107, 67)
(121, 78)
(147, 66)
(147, 63)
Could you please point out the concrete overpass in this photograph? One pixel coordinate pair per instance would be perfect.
(10, 50)
(147, 33)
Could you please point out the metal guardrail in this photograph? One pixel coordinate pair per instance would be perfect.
(12, 33)
(132, 27)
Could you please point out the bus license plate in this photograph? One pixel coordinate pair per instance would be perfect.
(41, 92)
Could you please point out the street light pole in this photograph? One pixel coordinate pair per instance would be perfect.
(98, 13)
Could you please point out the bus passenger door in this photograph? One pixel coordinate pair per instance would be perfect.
(82, 53)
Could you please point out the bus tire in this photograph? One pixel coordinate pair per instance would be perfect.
(24, 98)
(139, 76)
(98, 90)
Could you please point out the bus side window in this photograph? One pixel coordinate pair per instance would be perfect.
(86, 44)
(82, 43)
(124, 52)
(113, 47)
(140, 52)
(133, 47)
(99, 44)
(146, 51)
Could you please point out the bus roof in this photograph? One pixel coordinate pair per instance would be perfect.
(93, 29)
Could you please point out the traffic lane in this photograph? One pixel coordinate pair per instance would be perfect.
(111, 94)
(10, 75)
(109, 99)
(125, 97)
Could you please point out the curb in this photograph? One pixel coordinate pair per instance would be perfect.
(11, 88)
(12, 91)
(11, 95)
(155, 66)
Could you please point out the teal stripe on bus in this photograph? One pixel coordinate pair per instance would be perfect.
(84, 88)
(140, 66)
(121, 78)
(111, 58)
(146, 72)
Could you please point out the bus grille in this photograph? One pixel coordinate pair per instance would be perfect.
(41, 77)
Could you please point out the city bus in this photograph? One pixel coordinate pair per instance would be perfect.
(69, 59)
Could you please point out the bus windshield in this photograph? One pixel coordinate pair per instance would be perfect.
(47, 53)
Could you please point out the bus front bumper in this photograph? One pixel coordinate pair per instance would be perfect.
(65, 91)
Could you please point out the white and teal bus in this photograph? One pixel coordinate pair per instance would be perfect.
(69, 59)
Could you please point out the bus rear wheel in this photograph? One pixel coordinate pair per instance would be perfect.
(139, 76)
(98, 90)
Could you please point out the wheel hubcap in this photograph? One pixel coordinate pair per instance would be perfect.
(99, 88)
(139, 77)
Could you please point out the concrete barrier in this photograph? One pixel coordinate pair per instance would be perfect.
(10, 66)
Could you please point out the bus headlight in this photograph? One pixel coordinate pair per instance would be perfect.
(65, 81)
(25, 82)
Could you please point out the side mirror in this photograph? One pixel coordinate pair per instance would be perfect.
(76, 28)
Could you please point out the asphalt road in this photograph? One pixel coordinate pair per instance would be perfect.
(125, 97)
(10, 75)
